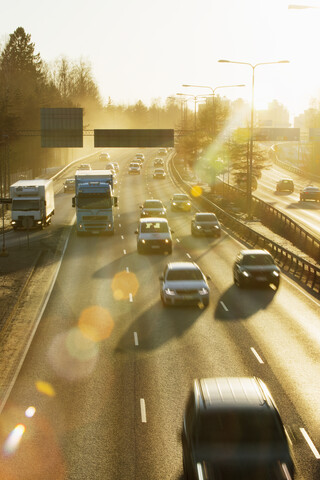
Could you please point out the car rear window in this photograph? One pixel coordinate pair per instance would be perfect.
(184, 275)
(154, 227)
(206, 217)
(151, 204)
(232, 427)
(258, 259)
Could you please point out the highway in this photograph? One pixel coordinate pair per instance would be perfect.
(306, 214)
(109, 369)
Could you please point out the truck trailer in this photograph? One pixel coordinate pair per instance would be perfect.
(32, 203)
(94, 201)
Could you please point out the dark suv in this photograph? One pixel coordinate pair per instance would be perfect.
(255, 268)
(233, 430)
(285, 185)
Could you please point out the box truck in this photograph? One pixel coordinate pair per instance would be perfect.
(32, 203)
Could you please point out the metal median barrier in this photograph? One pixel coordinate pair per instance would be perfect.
(300, 269)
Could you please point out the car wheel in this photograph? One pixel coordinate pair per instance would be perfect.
(205, 302)
(276, 285)
(140, 249)
(164, 304)
(169, 251)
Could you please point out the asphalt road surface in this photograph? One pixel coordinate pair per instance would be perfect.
(109, 369)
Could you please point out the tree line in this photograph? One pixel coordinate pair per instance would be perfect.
(27, 84)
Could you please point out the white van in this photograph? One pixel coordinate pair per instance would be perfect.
(154, 235)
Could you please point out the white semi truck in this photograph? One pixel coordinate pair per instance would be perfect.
(94, 201)
(32, 203)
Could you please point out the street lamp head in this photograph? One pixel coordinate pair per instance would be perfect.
(284, 61)
(224, 61)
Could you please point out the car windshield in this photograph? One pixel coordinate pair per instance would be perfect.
(153, 204)
(186, 274)
(154, 227)
(245, 427)
(257, 259)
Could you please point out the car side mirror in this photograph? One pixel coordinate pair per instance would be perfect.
(136, 231)
(73, 201)
(115, 201)
(208, 277)
(161, 278)
(172, 231)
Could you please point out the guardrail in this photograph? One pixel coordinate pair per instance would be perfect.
(301, 270)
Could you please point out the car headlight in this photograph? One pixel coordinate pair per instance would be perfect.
(275, 273)
(217, 227)
(203, 291)
(245, 273)
(167, 240)
(198, 227)
(143, 241)
(174, 203)
(188, 204)
(168, 291)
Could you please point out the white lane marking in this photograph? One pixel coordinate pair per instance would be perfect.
(225, 308)
(136, 341)
(188, 255)
(118, 215)
(122, 237)
(143, 410)
(127, 269)
(119, 224)
(130, 297)
(177, 240)
(310, 443)
(256, 354)
(124, 252)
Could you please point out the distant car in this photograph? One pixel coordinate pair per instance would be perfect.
(158, 162)
(110, 166)
(232, 429)
(162, 151)
(85, 166)
(285, 185)
(310, 193)
(205, 224)
(154, 235)
(104, 156)
(140, 156)
(69, 185)
(181, 202)
(134, 169)
(153, 208)
(184, 283)
(159, 173)
(255, 268)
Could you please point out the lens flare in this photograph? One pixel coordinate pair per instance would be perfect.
(196, 191)
(13, 440)
(30, 412)
(96, 323)
(45, 388)
(123, 284)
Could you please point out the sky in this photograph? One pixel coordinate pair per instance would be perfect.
(146, 50)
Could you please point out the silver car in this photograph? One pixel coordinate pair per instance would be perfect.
(153, 208)
(184, 283)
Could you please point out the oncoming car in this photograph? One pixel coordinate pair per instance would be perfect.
(255, 267)
(104, 156)
(158, 162)
(153, 208)
(181, 201)
(205, 224)
(184, 283)
(154, 235)
(140, 157)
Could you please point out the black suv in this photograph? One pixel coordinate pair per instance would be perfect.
(255, 268)
(233, 430)
(285, 185)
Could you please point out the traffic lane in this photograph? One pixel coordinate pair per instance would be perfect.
(76, 385)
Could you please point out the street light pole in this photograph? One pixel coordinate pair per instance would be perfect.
(213, 100)
(249, 179)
